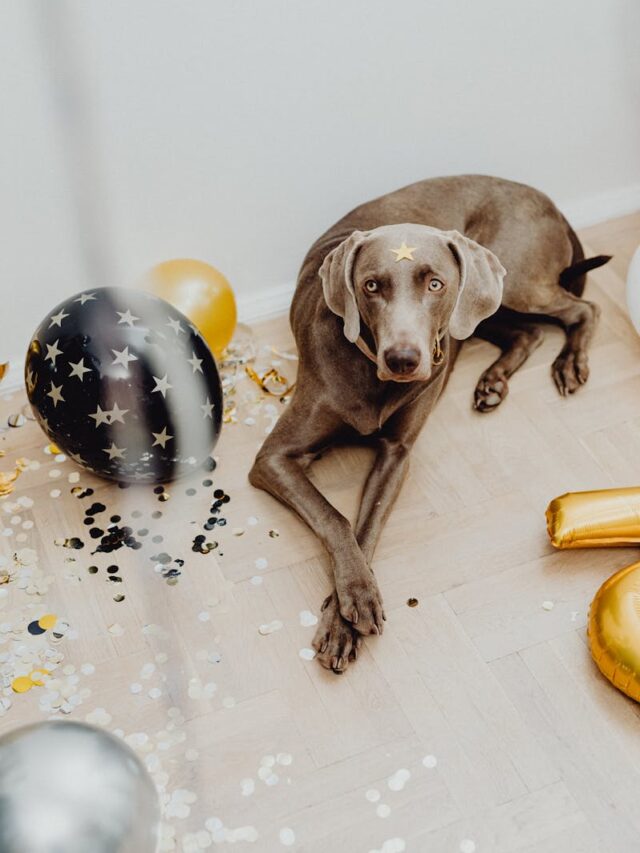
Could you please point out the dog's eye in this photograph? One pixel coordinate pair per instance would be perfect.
(371, 286)
(435, 284)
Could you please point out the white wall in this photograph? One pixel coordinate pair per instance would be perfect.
(138, 130)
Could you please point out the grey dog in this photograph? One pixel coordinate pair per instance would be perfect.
(383, 300)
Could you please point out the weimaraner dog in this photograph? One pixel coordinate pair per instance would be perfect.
(382, 302)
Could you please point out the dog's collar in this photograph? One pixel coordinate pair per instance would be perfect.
(437, 356)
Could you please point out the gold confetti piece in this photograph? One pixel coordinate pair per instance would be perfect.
(47, 621)
(4, 368)
(16, 420)
(412, 602)
(274, 533)
(53, 449)
(22, 684)
(271, 382)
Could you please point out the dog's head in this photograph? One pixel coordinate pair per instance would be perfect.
(410, 284)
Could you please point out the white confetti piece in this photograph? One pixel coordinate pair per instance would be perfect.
(307, 618)
(204, 616)
(256, 580)
(55, 493)
(252, 521)
(284, 759)
(467, 846)
(238, 531)
(398, 780)
(135, 688)
(287, 836)
(247, 787)
(547, 605)
(147, 671)
(155, 693)
(372, 795)
(383, 810)
(116, 629)
(307, 654)
(99, 717)
(430, 761)
(270, 627)
(87, 669)
(261, 563)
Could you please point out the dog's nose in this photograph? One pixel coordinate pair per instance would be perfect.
(402, 360)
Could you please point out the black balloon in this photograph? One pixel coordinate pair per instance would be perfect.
(124, 384)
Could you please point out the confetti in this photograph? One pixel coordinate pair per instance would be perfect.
(261, 563)
(398, 780)
(307, 654)
(547, 605)
(270, 627)
(372, 795)
(307, 618)
(467, 846)
(383, 810)
(392, 845)
(412, 602)
(430, 761)
(21, 685)
(287, 836)
(247, 787)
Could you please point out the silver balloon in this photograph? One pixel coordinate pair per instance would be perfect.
(70, 788)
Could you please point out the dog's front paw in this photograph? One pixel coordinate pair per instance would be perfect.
(335, 641)
(490, 391)
(361, 602)
(570, 370)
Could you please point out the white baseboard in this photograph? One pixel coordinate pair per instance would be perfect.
(602, 206)
(267, 303)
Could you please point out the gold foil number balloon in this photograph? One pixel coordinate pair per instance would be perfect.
(201, 293)
(599, 519)
(614, 630)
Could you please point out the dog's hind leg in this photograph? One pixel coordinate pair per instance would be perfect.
(517, 339)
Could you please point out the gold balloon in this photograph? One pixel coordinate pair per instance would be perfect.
(599, 519)
(203, 295)
(614, 630)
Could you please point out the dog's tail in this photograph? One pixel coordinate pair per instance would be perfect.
(573, 277)
(582, 268)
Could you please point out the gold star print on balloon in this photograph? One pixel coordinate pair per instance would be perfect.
(404, 253)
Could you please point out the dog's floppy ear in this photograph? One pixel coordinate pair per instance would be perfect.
(336, 273)
(480, 291)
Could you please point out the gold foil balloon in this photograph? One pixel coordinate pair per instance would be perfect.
(614, 630)
(201, 293)
(599, 519)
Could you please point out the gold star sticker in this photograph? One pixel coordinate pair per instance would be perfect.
(404, 252)
(53, 352)
(115, 452)
(123, 357)
(57, 319)
(56, 395)
(161, 438)
(79, 369)
(162, 385)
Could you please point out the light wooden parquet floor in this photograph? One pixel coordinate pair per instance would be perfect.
(512, 739)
